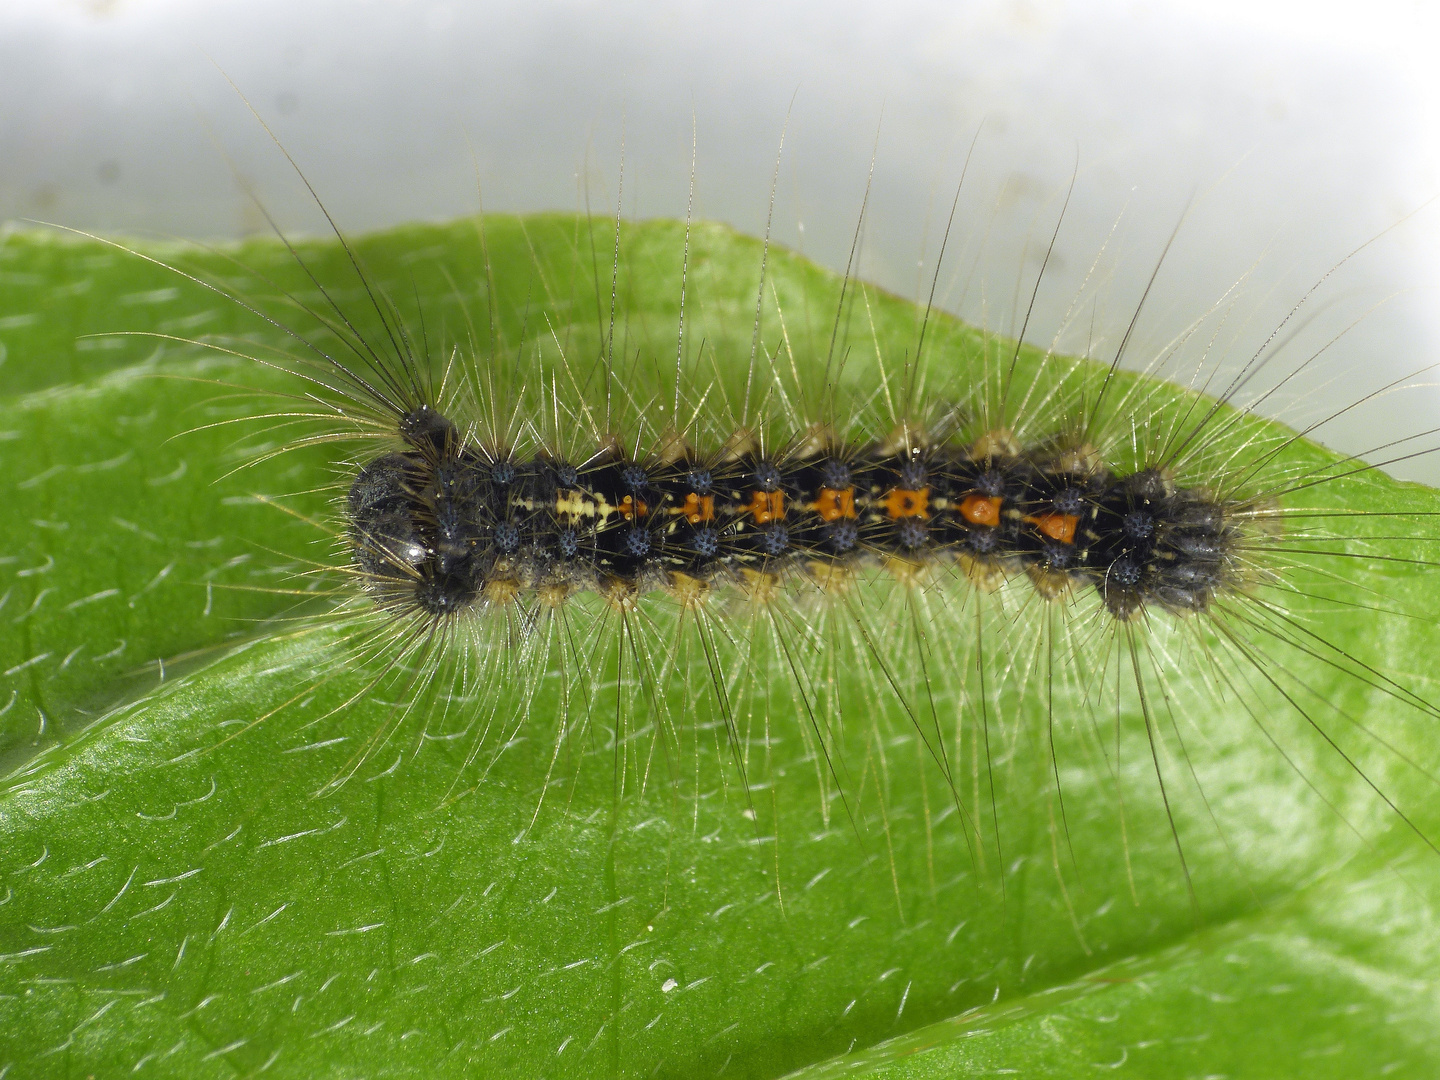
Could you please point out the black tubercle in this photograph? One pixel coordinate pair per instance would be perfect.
(438, 527)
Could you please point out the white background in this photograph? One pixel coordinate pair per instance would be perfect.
(1291, 132)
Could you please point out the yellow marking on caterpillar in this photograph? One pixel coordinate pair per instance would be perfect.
(579, 504)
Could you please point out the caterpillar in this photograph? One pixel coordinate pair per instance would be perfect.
(734, 666)
(447, 526)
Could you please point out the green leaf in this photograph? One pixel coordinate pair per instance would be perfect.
(185, 891)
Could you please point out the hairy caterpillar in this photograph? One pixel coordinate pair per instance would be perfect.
(1007, 762)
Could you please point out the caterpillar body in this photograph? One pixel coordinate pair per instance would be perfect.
(441, 528)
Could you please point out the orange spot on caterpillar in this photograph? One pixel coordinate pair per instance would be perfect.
(905, 504)
(699, 508)
(833, 503)
(766, 506)
(1056, 526)
(981, 510)
(631, 507)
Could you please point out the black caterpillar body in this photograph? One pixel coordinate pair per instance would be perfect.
(444, 526)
